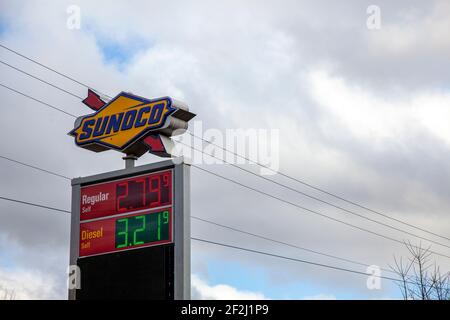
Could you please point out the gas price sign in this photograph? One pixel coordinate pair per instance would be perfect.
(126, 214)
(122, 196)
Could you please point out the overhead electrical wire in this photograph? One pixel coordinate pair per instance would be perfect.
(52, 69)
(310, 210)
(243, 157)
(210, 142)
(323, 265)
(396, 240)
(256, 175)
(248, 187)
(287, 258)
(216, 224)
(42, 80)
(193, 217)
(34, 204)
(323, 215)
(317, 264)
(317, 188)
(37, 100)
(317, 199)
(220, 244)
(34, 167)
(284, 243)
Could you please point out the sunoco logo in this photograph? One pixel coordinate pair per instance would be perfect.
(122, 121)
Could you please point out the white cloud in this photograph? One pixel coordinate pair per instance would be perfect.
(432, 110)
(203, 291)
(414, 32)
(367, 133)
(26, 284)
(375, 119)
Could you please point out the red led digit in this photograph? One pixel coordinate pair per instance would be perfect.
(143, 191)
(156, 190)
(166, 192)
(122, 196)
(166, 179)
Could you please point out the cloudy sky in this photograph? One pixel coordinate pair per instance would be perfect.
(361, 112)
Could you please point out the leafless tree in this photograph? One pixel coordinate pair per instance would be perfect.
(6, 294)
(419, 278)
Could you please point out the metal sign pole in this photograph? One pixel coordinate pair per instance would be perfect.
(130, 160)
(182, 233)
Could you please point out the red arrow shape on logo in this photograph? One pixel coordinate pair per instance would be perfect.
(154, 143)
(93, 100)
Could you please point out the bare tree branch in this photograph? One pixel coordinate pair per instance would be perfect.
(420, 277)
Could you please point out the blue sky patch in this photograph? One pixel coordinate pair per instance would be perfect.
(119, 53)
(116, 49)
(246, 278)
(3, 26)
(253, 279)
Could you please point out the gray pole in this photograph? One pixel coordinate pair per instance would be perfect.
(182, 209)
(129, 160)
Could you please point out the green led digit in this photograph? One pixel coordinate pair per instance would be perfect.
(124, 233)
(159, 226)
(139, 230)
(166, 217)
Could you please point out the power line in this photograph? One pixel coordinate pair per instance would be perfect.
(209, 221)
(280, 184)
(34, 167)
(256, 190)
(216, 243)
(232, 246)
(346, 210)
(318, 199)
(193, 217)
(235, 229)
(212, 242)
(42, 80)
(37, 100)
(310, 210)
(261, 192)
(213, 223)
(51, 69)
(319, 189)
(243, 157)
(286, 243)
(323, 215)
(289, 258)
(34, 204)
(311, 262)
